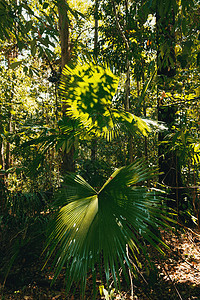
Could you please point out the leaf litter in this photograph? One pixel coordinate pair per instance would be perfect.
(177, 276)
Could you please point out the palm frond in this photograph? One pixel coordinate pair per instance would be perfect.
(94, 227)
(88, 90)
(63, 137)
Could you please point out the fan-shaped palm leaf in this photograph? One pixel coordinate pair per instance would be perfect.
(88, 90)
(93, 225)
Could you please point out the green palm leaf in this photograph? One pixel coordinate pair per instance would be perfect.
(88, 90)
(93, 228)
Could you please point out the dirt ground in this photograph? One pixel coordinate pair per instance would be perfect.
(177, 277)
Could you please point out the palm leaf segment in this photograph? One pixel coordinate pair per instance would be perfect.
(92, 224)
(88, 90)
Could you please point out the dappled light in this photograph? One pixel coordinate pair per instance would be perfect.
(87, 92)
(99, 150)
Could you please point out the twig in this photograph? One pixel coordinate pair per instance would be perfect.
(173, 284)
(134, 265)
(120, 272)
(131, 279)
(132, 286)
(189, 229)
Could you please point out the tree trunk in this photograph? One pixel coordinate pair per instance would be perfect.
(96, 28)
(2, 159)
(127, 89)
(166, 61)
(64, 33)
(127, 84)
(166, 114)
(68, 163)
(167, 158)
(8, 155)
(2, 177)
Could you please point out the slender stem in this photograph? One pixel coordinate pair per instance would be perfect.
(177, 193)
(173, 284)
(94, 140)
(96, 27)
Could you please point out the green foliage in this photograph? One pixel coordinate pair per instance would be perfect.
(93, 228)
(6, 20)
(23, 230)
(95, 172)
(88, 91)
(43, 115)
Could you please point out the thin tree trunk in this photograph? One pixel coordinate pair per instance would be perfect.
(2, 160)
(8, 155)
(145, 138)
(64, 33)
(68, 163)
(2, 179)
(170, 174)
(127, 88)
(127, 85)
(96, 28)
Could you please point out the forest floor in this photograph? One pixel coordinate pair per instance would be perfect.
(177, 276)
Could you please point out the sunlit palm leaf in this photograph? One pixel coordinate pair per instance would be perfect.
(88, 90)
(92, 225)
